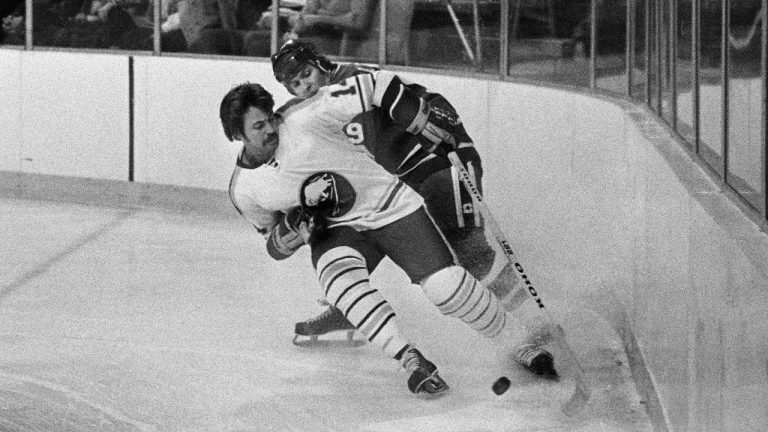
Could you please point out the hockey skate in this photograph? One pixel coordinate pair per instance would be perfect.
(329, 321)
(535, 359)
(422, 374)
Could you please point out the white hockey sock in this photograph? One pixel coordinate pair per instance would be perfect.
(458, 294)
(344, 279)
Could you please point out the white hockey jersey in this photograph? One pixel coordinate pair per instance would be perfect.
(313, 149)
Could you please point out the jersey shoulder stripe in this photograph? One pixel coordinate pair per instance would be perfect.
(232, 187)
(365, 103)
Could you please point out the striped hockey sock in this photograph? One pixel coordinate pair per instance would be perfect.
(458, 294)
(344, 279)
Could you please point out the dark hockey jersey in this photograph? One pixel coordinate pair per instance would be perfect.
(398, 151)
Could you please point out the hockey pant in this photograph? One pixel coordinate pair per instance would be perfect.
(344, 280)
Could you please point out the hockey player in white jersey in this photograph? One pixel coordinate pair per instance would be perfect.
(361, 214)
(278, 175)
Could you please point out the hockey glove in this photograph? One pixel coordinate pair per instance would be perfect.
(292, 232)
(436, 121)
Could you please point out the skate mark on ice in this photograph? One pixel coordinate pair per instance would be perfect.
(72, 395)
(43, 267)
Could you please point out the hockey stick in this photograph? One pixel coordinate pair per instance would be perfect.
(581, 393)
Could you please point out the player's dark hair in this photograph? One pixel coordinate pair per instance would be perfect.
(236, 103)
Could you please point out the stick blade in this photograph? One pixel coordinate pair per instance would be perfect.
(577, 401)
(581, 392)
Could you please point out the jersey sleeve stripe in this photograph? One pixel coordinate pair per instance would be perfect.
(384, 80)
(394, 104)
(232, 194)
(232, 185)
(364, 89)
(391, 196)
(410, 154)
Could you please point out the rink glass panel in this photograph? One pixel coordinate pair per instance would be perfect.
(639, 52)
(711, 85)
(652, 55)
(549, 41)
(245, 31)
(745, 170)
(684, 72)
(610, 68)
(93, 24)
(459, 35)
(12, 27)
(665, 41)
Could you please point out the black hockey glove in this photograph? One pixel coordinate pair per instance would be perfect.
(441, 126)
(313, 225)
(294, 230)
(438, 122)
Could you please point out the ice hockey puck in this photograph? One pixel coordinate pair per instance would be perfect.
(501, 385)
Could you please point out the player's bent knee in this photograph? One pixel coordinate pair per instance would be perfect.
(458, 294)
(338, 268)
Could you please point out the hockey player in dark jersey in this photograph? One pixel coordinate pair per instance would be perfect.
(303, 71)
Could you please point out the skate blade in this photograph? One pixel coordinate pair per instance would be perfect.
(581, 391)
(315, 341)
(578, 400)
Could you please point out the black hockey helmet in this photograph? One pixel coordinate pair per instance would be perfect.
(294, 54)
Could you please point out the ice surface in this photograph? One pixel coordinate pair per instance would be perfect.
(138, 320)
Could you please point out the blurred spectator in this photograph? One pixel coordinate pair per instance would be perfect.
(197, 15)
(364, 45)
(238, 32)
(169, 16)
(611, 29)
(183, 21)
(8, 7)
(104, 24)
(350, 28)
(14, 25)
(12, 14)
(325, 22)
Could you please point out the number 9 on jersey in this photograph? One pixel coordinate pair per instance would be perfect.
(354, 133)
